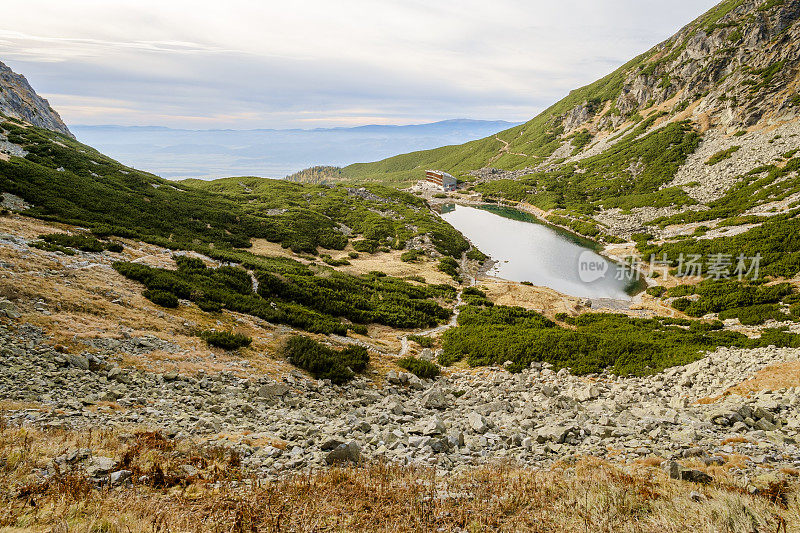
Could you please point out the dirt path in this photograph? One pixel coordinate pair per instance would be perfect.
(506, 149)
(453, 322)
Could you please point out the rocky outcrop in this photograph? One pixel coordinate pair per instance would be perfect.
(19, 100)
(736, 67)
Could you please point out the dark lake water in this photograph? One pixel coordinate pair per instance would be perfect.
(527, 250)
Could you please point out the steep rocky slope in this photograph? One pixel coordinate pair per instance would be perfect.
(19, 100)
(731, 73)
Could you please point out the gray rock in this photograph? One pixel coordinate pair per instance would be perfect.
(344, 453)
(9, 310)
(120, 476)
(78, 361)
(330, 443)
(100, 466)
(189, 470)
(434, 427)
(589, 392)
(477, 422)
(434, 399)
(676, 471)
(273, 390)
(695, 476)
(552, 433)
(765, 425)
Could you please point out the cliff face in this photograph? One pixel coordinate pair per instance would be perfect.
(735, 67)
(19, 100)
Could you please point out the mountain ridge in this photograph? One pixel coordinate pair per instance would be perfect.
(735, 67)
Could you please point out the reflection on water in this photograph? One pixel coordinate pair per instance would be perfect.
(527, 250)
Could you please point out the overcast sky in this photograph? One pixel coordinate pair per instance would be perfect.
(317, 63)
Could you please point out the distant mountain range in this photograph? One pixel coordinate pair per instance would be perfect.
(181, 153)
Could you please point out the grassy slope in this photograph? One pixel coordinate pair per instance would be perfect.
(70, 182)
(537, 138)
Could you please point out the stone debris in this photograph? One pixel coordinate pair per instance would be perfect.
(533, 418)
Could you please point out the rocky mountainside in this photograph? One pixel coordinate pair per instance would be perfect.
(731, 73)
(19, 100)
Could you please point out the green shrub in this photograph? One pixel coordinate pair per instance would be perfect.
(209, 306)
(598, 341)
(419, 367)
(322, 362)
(46, 246)
(328, 260)
(755, 315)
(476, 255)
(732, 298)
(474, 291)
(722, 155)
(580, 140)
(353, 255)
(83, 243)
(226, 340)
(366, 246)
(682, 304)
(449, 266)
(291, 293)
(411, 256)
(475, 296)
(162, 298)
(656, 291)
(425, 342)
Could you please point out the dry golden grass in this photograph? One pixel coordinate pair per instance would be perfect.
(541, 299)
(650, 461)
(735, 440)
(387, 262)
(590, 495)
(773, 377)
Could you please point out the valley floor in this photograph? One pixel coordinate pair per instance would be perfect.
(91, 369)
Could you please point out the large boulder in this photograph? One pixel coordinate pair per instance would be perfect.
(344, 453)
(100, 466)
(434, 398)
(478, 423)
(676, 471)
(8, 309)
(272, 390)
